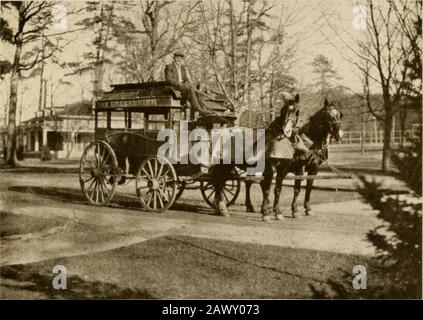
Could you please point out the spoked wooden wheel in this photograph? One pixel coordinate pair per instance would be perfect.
(156, 184)
(230, 188)
(98, 173)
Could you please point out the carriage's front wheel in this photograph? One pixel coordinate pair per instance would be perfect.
(98, 173)
(156, 184)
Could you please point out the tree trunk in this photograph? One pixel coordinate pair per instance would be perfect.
(40, 101)
(98, 72)
(246, 89)
(403, 118)
(233, 28)
(271, 97)
(11, 128)
(386, 157)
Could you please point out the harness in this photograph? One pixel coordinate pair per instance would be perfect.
(315, 152)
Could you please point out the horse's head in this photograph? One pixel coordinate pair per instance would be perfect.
(333, 118)
(289, 114)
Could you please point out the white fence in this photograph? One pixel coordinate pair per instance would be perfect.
(375, 137)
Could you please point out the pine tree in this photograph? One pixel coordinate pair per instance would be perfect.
(325, 72)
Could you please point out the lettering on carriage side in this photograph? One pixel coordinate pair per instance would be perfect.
(360, 280)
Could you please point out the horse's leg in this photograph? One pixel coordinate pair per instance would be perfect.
(265, 184)
(297, 190)
(283, 169)
(309, 187)
(248, 204)
(218, 177)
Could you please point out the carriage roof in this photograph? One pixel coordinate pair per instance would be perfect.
(148, 96)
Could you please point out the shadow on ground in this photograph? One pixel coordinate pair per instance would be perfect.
(67, 195)
(37, 169)
(26, 280)
(13, 224)
(182, 267)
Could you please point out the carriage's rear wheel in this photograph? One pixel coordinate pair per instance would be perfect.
(156, 184)
(98, 173)
(230, 188)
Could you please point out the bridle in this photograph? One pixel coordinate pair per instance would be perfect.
(290, 110)
(334, 120)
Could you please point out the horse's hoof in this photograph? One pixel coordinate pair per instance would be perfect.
(308, 210)
(279, 217)
(277, 211)
(222, 210)
(294, 209)
(224, 213)
(251, 209)
(266, 218)
(264, 211)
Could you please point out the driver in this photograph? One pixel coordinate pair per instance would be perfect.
(177, 75)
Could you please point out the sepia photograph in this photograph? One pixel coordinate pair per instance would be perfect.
(211, 150)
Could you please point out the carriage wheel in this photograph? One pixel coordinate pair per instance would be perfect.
(98, 173)
(156, 184)
(230, 191)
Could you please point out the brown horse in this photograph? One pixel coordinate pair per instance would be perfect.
(323, 126)
(278, 154)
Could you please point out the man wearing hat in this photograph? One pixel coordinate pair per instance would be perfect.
(177, 75)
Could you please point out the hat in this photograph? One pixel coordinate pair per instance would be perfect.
(178, 54)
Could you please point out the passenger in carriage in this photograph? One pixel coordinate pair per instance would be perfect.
(177, 75)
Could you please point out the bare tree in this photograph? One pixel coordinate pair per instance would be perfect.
(33, 19)
(381, 58)
(153, 33)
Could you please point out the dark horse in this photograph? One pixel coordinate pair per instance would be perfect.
(323, 126)
(278, 144)
(279, 152)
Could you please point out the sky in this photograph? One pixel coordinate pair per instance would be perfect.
(307, 26)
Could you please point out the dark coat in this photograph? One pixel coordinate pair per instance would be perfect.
(171, 74)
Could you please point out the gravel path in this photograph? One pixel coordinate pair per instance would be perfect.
(106, 229)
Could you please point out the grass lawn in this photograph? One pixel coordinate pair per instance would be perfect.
(185, 268)
(13, 224)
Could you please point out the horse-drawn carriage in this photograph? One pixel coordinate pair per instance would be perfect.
(128, 123)
(128, 120)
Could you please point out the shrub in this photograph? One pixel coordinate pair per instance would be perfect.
(398, 240)
(45, 154)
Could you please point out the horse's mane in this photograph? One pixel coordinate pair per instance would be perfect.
(311, 127)
(317, 115)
